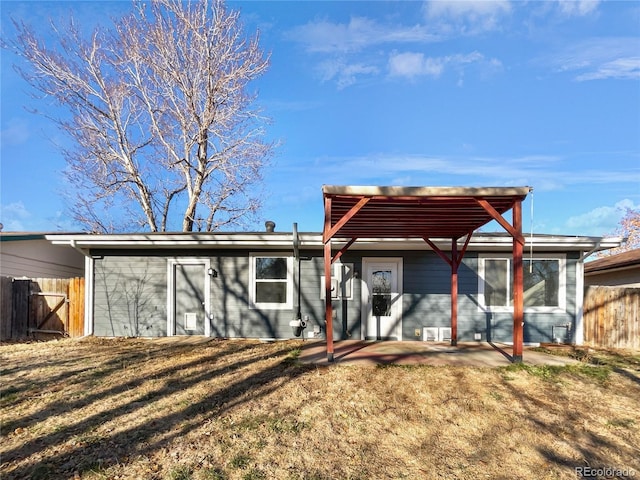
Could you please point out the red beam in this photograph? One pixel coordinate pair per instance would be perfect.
(331, 231)
(464, 248)
(327, 218)
(440, 253)
(515, 233)
(422, 200)
(342, 250)
(518, 286)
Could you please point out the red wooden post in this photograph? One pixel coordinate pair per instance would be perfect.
(327, 300)
(327, 278)
(454, 292)
(518, 285)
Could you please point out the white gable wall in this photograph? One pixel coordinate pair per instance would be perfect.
(38, 258)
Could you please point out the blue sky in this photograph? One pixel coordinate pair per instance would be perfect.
(445, 93)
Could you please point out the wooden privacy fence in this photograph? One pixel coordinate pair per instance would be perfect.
(41, 306)
(612, 317)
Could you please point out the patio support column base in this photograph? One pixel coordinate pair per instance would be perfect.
(516, 359)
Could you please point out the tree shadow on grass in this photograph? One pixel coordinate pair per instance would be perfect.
(78, 449)
(628, 374)
(82, 370)
(554, 413)
(89, 377)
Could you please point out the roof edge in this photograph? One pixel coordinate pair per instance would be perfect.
(314, 240)
(399, 191)
(620, 261)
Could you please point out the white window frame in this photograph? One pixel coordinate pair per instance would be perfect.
(252, 282)
(562, 283)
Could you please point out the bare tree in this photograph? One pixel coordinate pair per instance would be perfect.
(629, 230)
(157, 107)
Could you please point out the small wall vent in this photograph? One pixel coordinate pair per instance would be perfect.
(430, 334)
(436, 334)
(444, 334)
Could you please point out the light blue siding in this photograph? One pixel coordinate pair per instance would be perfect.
(130, 298)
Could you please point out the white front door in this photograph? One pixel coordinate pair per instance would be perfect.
(382, 299)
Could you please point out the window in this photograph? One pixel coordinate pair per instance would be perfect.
(497, 282)
(381, 296)
(271, 285)
(543, 278)
(541, 283)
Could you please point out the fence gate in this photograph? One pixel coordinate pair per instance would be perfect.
(42, 307)
(49, 312)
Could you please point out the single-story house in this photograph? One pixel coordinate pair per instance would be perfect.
(428, 274)
(619, 270)
(31, 255)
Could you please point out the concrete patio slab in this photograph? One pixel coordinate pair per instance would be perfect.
(475, 354)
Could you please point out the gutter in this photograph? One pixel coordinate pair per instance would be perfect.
(481, 242)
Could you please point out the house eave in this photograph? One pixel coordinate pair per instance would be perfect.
(312, 240)
(594, 273)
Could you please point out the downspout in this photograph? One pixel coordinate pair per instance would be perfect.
(296, 255)
(73, 245)
(298, 324)
(590, 252)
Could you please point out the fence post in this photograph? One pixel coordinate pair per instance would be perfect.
(20, 304)
(76, 307)
(6, 307)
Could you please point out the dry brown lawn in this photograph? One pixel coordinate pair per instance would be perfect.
(131, 408)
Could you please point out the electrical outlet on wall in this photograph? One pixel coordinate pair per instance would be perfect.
(417, 332)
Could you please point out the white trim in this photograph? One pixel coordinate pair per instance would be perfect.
(397, 307)
(479, 241)
(579, 331)
(481, 283)
(562, 283)
(288, 305)
(526, 344)
(89, 270)
(171, 304)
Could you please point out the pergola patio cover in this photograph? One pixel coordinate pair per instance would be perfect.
(429, 213)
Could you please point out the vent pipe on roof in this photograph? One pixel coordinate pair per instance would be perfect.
(269, 226)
